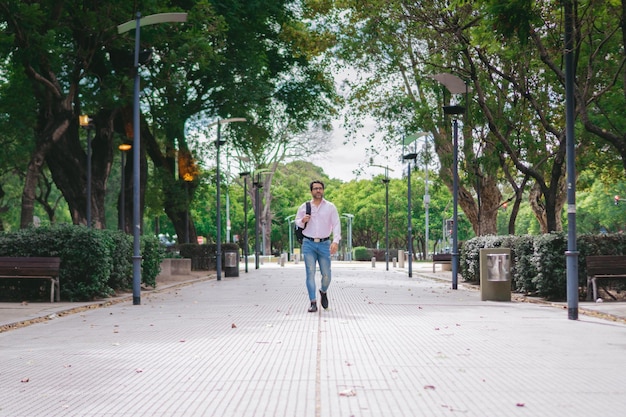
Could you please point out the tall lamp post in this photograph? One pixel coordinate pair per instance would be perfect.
(85, 123)
(571, 255)
(123, 28)
(409, 157)
(290, 219)
(410, 139)
(124, 147)
(386, 182)
(218, 144)
(455, 110)
(455, 85)
(256, 183)
(245, 176)
(350, 217)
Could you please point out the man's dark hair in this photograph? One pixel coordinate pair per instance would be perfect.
(316, 182)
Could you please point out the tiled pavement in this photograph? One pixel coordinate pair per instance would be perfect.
(388, 345)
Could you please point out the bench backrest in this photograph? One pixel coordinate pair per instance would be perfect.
(606, 265)
(442, 257)
(48, 266)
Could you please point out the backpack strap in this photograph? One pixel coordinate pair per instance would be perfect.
(308, 211)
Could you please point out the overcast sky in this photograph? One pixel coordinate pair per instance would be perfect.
(343, 160)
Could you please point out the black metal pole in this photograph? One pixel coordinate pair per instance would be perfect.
(89, 175)
(257, 221)
(136, 174)
(386, 181)
(218, 238)
(122, 196)
(571, 255)
(245, 220)
(410, 222)
(455, 199)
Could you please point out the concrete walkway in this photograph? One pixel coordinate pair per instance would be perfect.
(388, 345)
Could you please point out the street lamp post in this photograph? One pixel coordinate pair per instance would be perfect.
(124, 147)
(218, 144)
(455, 85)
(410, 139)
(386, 182)
(571, 255)
(411, 156)
(290, 219)
(123, 28)
(245, 176)
(257, 218)
(257, 204)
(85, 122)
(350, 217)
(455, 110)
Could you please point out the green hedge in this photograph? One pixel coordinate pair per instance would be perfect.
(94, 263)
(538, 262)
(361, 253)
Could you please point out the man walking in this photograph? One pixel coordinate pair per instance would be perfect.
(316, 245)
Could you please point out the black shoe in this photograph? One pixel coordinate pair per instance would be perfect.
(324, 300)
(313, 308)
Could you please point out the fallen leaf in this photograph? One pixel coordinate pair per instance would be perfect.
(233, 326)
(429, 387)
(347, 393)
(520, 404)
(25, 380)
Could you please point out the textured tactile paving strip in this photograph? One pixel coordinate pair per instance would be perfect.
(387, 346)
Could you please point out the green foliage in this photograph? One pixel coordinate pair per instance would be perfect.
(94, 263)
(85, 258)
(119, 245)
(152, 254)
(361, 253)
(538, 262)
(549, 261)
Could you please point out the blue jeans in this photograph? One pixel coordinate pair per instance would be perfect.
(320, 253)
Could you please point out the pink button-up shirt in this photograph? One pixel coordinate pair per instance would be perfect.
(324, 221)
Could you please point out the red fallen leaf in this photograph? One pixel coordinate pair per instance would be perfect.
(429, 387)
(233, 326)
(520, 404)
(139, 371)
(25, 380)
(436, 328)
(347, 393)
(182, 340)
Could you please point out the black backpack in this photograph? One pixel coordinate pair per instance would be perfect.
(299, 230)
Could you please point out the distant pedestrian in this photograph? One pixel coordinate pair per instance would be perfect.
(317, 247)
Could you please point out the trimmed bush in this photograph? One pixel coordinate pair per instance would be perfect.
(361, 253)
(94, 263)
(538, 262)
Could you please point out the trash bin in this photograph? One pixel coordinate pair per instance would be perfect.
(495, 274)
(231, 263)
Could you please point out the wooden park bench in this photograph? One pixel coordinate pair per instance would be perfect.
(33, 267)
(604, 266)
(442, 259)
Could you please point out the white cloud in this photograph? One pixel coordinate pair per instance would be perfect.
(351, 160)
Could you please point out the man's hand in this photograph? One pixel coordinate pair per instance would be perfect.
(333, 248)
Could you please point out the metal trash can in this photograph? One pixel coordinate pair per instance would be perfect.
(231, 263)
(495, 274)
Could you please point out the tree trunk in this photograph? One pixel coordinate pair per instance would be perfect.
(57, 131)
(68, 164)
